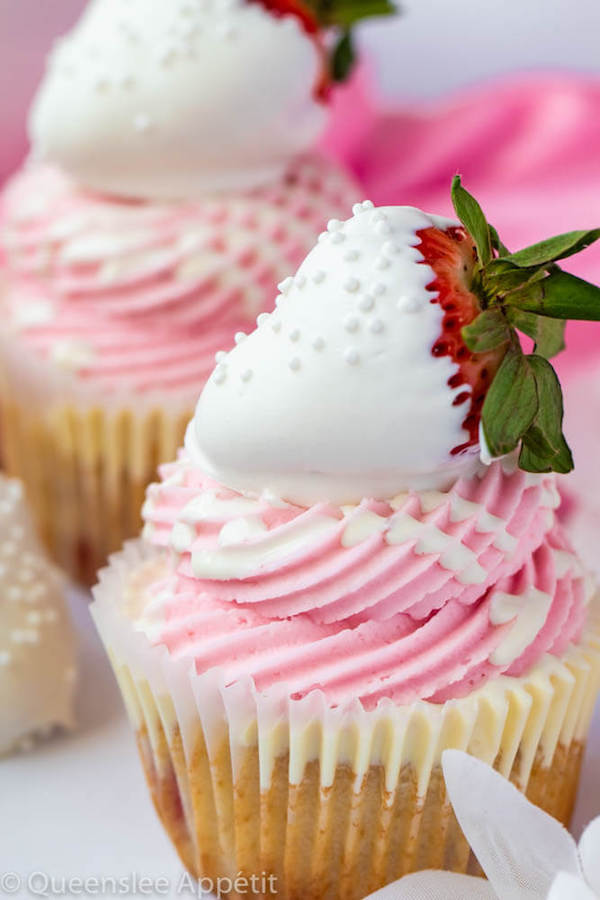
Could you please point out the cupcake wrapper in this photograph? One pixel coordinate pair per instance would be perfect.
(333, 803)
(86, 459)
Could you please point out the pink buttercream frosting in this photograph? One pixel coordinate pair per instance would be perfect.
(144, 294)
(426, 596)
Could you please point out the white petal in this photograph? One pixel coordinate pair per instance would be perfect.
(589, 852)
(567, 887)
(519, 847)
(436, 886)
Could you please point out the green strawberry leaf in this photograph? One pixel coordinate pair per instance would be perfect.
(524, 292)
(346, 13)
(343, 15)
(489, 330)
(343, 57)
(471, 215)
(511, 403)
(544, 448)
(551, 249)
(548, 334)
(502, 277)
(497, 244)
(559, 296)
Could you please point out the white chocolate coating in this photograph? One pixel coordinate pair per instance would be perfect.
(337, 396)
(167, 100)
(37, 651)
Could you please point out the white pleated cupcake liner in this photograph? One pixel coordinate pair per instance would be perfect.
(270, 772)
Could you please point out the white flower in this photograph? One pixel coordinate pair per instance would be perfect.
(525, 853)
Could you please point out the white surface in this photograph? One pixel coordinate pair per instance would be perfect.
(77, 806)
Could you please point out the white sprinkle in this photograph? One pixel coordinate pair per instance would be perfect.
(318, 343)
(190, 31)
(126, 81)
(367, 204)
(409, 305)
(294, 363)
(101, 83)
(366, 303)
(220, 355)
(246, 375)
(378, 289)
(166, 56)
(377, 326)
(323, 237)
(34, 617)
(351, 285)
(383, 228)
(295, 334)
(219, 375)
(142, 123)
(357, 209)
(382, 262)
(390, 248)
(263, 317)
(225, 30)
(351, 255)
(300, 281)
(286, 285)
(351, 323)
(24, 636)
(337, 237)
(334, 225)
(319, 276)
(276, 326)
(351, 356)
(240, 336)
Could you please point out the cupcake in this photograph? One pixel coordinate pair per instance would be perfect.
(37, 648)
(173, 182)
(355, 563)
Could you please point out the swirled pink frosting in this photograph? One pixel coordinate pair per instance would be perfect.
(144, 294)
(426, 596)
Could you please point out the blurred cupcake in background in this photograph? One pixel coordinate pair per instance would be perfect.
(172, 184)
(355, 563)
(37, 646)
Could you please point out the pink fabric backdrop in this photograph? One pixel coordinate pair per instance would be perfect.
(528, 148)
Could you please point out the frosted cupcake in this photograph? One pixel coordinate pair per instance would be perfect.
(333, 586)
(172, 185)
(37, 646)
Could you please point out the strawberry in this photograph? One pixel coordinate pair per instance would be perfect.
(452, 256)
(320, 16)
(306, 16)
(489, 296)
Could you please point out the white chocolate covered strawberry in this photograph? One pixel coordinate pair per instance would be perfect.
(170, 100)
(393, 344)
